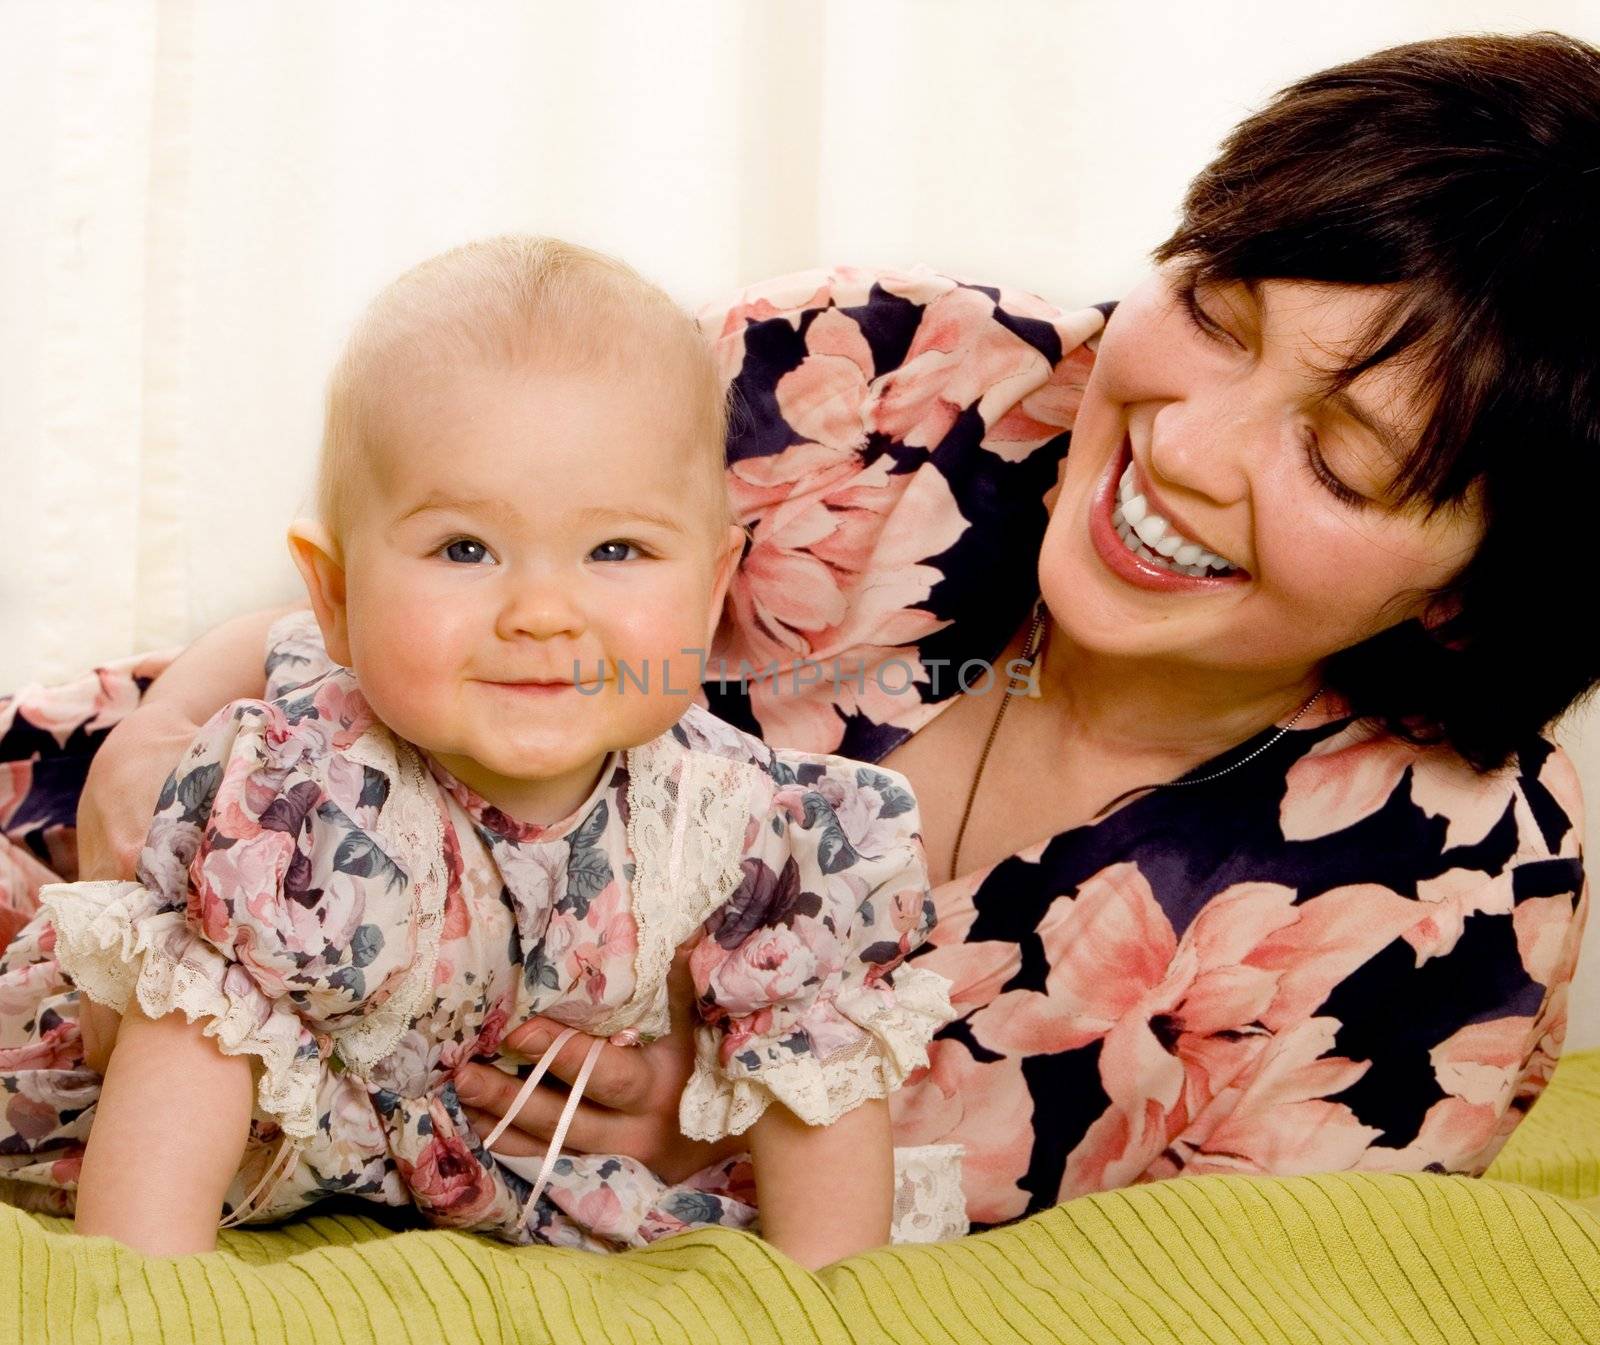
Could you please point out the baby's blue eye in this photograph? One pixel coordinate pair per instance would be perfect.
(466, 551)
(612, 547)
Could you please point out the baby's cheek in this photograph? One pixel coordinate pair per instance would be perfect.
(403, 667)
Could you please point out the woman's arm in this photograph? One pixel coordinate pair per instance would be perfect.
(169, 1131)
(826, 1192)
(126, 775)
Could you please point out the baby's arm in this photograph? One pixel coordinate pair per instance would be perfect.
(826, 1192)
(168, 1134)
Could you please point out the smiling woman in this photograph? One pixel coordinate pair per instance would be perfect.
(1279, 871)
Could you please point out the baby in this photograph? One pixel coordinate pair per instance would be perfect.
(498, 800)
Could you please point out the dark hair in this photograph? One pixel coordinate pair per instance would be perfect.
(1465, 172)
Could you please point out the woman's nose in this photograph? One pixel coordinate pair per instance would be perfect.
(539, 607)
(1206, 444)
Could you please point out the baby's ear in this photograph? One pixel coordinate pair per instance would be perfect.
(315, 553)
(726, 565)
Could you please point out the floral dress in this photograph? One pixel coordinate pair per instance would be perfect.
(330, 901)
(1348, 954)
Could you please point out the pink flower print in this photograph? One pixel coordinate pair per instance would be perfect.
(787, 297)
(607, 948)
(773, 966)
(344, 781)
(60, 1048)
(1448, 900)
(600, 1211)
(1549, 934)
(1184, 1022)
(740, 1032)
(858, 808)
(16, 778)
(1274, 1117)
(341, 705)
(976, 971)
(1560, 777)
(446, 1178)
(31, 1119)
(245, 874)
(1046, 411)
(1329, 937)
(21, 877)
(1351, 776)
(824, 580)
(959, 357)
(1479, 1068)
(28, 983)
(1107, 950)
(986, 1107)
(352, 1114)
(93, 702)
(492, 1030)
(822, 398)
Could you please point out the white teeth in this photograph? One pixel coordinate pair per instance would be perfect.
(1151, 537)
(1151, 528)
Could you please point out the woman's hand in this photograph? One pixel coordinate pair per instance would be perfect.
(122, 787)
(630, 1105)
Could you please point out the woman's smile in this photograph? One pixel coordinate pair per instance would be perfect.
(1145, 547)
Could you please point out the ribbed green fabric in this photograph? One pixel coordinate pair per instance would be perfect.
(1352, 1259)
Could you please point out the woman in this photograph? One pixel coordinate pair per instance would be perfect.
(1275, 873)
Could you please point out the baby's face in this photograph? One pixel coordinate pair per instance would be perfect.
(526, 537)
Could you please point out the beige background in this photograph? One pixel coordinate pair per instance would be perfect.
(201, 194)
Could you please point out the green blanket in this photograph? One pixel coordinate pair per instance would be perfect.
(1513, 1258)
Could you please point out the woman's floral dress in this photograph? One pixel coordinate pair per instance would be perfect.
(1349, 953)
(332, 902)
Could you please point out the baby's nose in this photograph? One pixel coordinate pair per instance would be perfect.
(540, 609)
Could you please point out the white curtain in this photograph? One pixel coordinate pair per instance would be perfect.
(199, 195)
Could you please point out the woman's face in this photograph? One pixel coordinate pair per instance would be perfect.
(1207, 440)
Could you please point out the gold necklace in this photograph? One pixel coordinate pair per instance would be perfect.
(1030, 653)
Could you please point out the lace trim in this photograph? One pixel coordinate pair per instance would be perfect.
(929, 1202)
(895, 1042)
(115, 949)
(687, 813)
(410, 819)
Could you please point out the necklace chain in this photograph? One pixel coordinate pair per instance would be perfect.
(1030, 653)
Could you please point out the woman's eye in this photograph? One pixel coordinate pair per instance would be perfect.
(610, 550)
(1324, 475)
(1201, 318)
(465, 551)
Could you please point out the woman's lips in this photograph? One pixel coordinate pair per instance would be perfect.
(1125, 564)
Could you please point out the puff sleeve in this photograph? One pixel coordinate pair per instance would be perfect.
(273, 902)
(804, 994)
(295, 653)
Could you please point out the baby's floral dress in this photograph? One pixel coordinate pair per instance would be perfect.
(327, 899)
